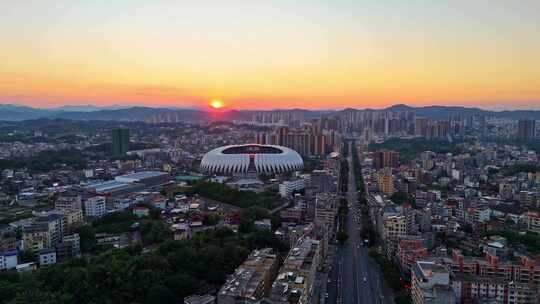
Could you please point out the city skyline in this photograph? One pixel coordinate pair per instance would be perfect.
(312, 55)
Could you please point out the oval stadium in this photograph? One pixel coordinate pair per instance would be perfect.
(251, 158)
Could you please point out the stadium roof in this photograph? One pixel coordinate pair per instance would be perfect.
(251, 158)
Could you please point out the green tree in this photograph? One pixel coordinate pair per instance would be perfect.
(27, 256)
(342, 236)
(160, 294)
(87, 238)
(182, 284)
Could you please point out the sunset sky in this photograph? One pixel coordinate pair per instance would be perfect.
(271, 54)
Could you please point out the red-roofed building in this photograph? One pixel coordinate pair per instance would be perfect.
(141, 211)
(409, 251)
(232, 219)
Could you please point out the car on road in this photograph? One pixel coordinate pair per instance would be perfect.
(365, 280)
(326, 295)
(329, 281)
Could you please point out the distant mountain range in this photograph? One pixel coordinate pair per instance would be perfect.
(12, 112)
(443, 112)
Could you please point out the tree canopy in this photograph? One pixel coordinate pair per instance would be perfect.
(242, 199)
(172, 271)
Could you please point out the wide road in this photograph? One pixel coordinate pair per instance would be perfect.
(355, 277)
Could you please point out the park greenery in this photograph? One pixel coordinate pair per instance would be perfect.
(532, 144)
(519, 168)
(152, 229)
(410, 148)
(242, 199)
(256, 213)
(62, 159)
(400, 198)
(529, 240)
(167, 274)
(46, 161)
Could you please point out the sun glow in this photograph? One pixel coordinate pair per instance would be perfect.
(217, 104)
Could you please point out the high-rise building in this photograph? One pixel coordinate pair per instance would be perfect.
(526, 129)
(309, 140)
(421, 126)
(385, 158)
(120, 141)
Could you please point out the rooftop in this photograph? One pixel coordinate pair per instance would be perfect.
(425, 270)
(141, 175)
(197, 299)
(301, 257)
(108, 186)
(252, 149)
(245, 281)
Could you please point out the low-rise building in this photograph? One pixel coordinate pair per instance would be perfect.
(95, 206)
(430, 284)
(73, 218)
(286, 188)
(8, 243)
(68, 201)
(409, 251)
(47, 257)
(385, 181)
(8, 260)
(325, 209)
(252, 280)
(56, 225)
(75, 241)
(64, 251)
(36, 237)
(394, 228)
(532, 220)
(147, 178)
(141, 211)
(294, 284)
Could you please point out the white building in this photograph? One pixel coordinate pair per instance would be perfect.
(47, 257)
(456, 174)
(288, 187)
(26, 267)
(241, 159)
(95, 206)
(8, 260)
(88, 173)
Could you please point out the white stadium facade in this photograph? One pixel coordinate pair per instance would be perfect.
(251, 158)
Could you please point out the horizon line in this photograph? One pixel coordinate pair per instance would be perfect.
(224, 109)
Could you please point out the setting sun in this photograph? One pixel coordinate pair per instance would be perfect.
(216, 104)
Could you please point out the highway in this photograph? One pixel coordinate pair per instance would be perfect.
(355, 278)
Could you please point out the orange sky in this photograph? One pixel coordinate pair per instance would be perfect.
(257, 55)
